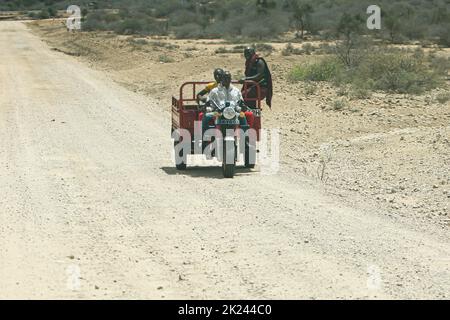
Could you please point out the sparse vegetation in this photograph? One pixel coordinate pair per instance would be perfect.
(164, 58)
(223, 50)
(310, 88)
(390, 70)
(339, 104)
(255, 19)
(324, 70)
(443, 97)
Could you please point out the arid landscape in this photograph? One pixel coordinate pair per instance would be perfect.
(92, 206)
(391, 149)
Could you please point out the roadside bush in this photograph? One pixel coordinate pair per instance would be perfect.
(129, 26)
(384, 70)
(43, 14)
(137, 43)
(308, 48)
(222, 50)
(339, 105)
(263, 27)
(263, 20)
(262, 47)
(310, 88)
(52, 12)
(290, 50)
(442, 33)
(360, 93)
(187, 31)
(287, 51)
(440, 64)
(397, 72)
(94, 24)
(324, 70)
(165, 45)
(166, 59)
(443, 98)
(326, 48)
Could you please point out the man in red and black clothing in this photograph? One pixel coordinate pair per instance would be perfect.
(256, 69)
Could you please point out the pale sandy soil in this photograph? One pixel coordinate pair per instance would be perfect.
(92, 207)
(391, 149)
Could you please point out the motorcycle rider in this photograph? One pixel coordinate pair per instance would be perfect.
(202, 95)
(225, 91)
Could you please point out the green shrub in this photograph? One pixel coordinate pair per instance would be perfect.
(166, 59)
(360, 93)
(440, 64)
(187, 31)
(383, 69)
(165, 45)
(221, 50)
(326, 48)
(443, 97)
(137, 43)
(43, 14)
(308, 48)
(324, 70)
(289, 50)
(129, 26)
(397, 72)
(52, 12)
(310, 88)
(444, 35)
(263, 47)
(92, 24)
(339, 104)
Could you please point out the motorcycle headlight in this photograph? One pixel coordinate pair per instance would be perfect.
(229, 113)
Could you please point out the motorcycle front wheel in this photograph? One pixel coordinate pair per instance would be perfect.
(229, 152)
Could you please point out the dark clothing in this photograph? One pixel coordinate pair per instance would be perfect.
(251, 69)
(251, 93)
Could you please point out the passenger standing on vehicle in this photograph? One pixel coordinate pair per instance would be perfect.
(256, 69)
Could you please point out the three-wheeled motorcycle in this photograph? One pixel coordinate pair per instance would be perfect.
(225, 138)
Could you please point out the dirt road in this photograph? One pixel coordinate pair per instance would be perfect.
(91, 206)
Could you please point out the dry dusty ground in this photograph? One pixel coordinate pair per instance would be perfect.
(391, 149)
(91, 206)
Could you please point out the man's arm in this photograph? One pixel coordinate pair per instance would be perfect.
(260, 68)
(201, 96)
(241, 101)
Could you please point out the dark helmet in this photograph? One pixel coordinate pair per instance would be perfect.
(249, 52)
(218, 73)
(226, 76)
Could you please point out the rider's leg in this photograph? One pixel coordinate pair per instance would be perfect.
(242, 121)
(252, 93)
(207, 117)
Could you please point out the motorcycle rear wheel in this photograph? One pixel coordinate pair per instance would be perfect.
(183, 164)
